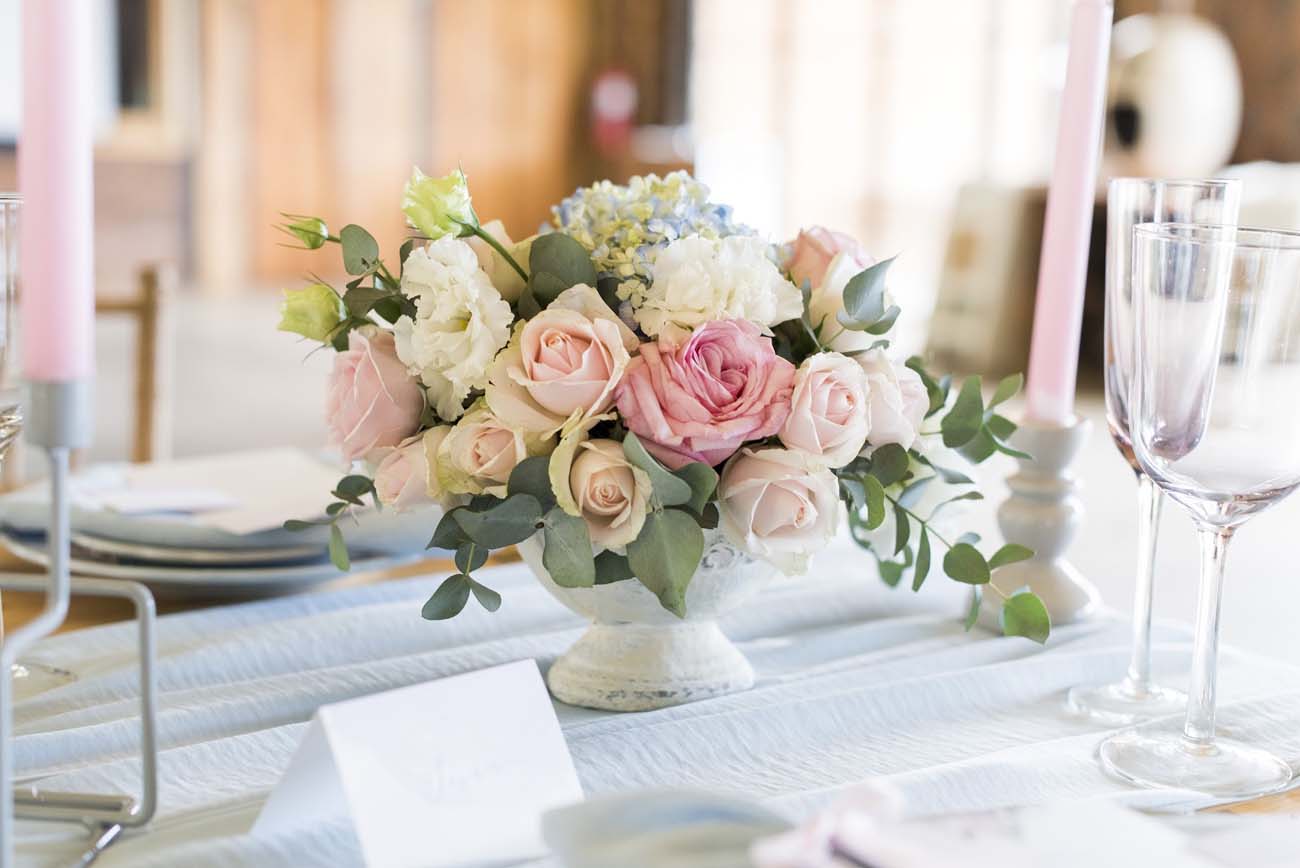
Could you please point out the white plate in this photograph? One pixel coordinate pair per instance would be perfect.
(102, 547)
(186, 583)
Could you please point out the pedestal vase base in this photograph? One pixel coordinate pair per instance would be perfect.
(635, 667)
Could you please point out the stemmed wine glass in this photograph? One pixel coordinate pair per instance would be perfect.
(29, 677)
(1131, 201)
(1216, 425)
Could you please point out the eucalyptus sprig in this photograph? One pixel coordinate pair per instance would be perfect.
(348, 493)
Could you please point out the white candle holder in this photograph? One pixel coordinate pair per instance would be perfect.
(1043, 513)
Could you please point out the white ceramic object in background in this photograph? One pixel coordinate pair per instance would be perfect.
(637, 655)
(1043, 513)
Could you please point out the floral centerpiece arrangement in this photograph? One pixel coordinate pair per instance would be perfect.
(645, 371)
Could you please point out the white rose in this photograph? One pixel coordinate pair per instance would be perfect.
(461, 321)
(827, 300)
(697, 280)
(778, 505)
(898, 400)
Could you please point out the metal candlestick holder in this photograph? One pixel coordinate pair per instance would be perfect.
(59, 422)
(1043, 513)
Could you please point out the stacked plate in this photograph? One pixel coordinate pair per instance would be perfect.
(182, 555)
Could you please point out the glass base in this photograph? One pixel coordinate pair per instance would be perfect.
(1124, 703)
(33, 678)
(1224, 768)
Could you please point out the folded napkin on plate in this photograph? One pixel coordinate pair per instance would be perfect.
(235, 492)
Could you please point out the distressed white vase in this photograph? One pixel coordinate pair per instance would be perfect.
(637, 655)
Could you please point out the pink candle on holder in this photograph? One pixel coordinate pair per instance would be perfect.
(1062, 270)
(55, 178)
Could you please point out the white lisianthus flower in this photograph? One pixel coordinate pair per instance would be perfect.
(699, 279)
(460, 323)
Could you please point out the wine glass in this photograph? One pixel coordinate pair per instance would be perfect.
(29, 677)
(1131, 201)
(1216, 425)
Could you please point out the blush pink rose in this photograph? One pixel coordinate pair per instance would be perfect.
(778, 505)
(402, 477)
(700, 401)
(829, 410)
(898, 400)
(810, 254)
(568, 357)
(373, 402)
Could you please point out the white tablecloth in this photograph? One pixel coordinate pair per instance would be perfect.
(855, 680)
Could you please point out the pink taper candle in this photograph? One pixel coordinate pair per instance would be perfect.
(1058, 311)
(55, 179)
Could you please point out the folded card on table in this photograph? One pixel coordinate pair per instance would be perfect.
(452, 772)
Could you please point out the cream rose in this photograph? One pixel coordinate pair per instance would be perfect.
(611, 494)
(779, 506)
(480, 450)
(567, 359)
(898, 400)
(829, 414)
(402, 477)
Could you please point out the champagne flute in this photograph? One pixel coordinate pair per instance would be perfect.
(29, 677)
(1131, 201)
(1215, 425)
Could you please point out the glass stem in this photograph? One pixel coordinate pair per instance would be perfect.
(1199, 726)
(1150, 499)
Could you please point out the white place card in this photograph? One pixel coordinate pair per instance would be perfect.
(452, 772)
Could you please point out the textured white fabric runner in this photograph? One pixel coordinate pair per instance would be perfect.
(855, 680)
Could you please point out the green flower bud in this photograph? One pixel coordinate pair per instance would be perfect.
(311, 231)
(314, 312)
(438, 206)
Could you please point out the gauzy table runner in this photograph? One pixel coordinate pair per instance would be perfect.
(854, 680)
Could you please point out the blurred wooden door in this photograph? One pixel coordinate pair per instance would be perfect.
(323, 107)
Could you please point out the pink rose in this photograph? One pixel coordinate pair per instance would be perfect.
(373, 402)
(611, 493)
(569, 357)
(480, 451)
(402, 477)
(810, 254)
(778, 505)
(700, 401)
(828, 410)
(898, 400)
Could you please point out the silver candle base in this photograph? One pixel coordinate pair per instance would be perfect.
(1043, 513)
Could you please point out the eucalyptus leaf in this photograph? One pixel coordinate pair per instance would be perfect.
(875, 493)
(1007, 387)
(335, 508)
(665, 556)
(973, 613)
(965, 495)
(979, 448)
(469, 557)
(964, 421)
(1000, 426)
(448, 600)
(886, 321)
(403, 253)
(296, 524)
(612, 567)
(360, 250)
(709, 516)
(889, 463)
(936, 395)
(891, 572)
(339, 549)
(353, 486)
(703, 481)
(555, 263)
(1010, 554)
(671, 490)
(510, 521)
(567, 550)
(913, 490)
(1023, 614)
(964, 563)
(531, 476)
(448, 533)
(970, 537)
(864, 296)
(902, 529)
(487, 598)
(853, 491)
(922, 560)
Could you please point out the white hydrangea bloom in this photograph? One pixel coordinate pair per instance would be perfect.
(460, 323)
(699, 279)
